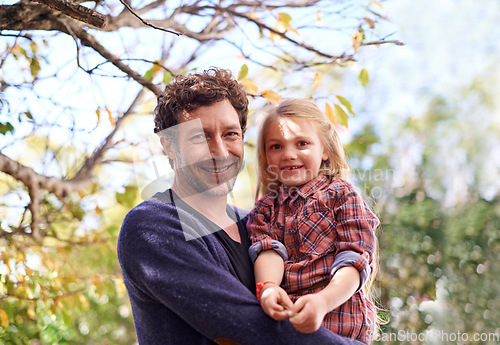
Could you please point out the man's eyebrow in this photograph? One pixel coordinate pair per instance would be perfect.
(233, 127)
(196, 130)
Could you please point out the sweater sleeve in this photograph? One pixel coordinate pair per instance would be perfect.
(191, 279)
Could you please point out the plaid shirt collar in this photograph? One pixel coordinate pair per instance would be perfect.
(307, 190)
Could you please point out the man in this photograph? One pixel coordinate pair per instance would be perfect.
(184, 251)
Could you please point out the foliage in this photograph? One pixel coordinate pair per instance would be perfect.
(438, 278)
(77, 88)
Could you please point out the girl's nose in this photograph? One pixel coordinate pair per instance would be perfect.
(289, 154)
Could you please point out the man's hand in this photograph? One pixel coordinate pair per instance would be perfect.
(275, 302)
(309, 312)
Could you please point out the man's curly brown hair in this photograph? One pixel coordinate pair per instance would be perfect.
(185, 94)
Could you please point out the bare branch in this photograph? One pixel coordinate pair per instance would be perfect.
(89, 41)
(76, 11)
(146, 23)
(336, 59)
(396, 42)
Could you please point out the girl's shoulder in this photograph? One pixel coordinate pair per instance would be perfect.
(339, 184)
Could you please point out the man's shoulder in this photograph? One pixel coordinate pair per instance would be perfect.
(160, 205)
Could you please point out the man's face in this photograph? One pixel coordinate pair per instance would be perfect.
(209, 150)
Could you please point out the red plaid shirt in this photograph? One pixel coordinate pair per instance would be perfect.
(315, 222)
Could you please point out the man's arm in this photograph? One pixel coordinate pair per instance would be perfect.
(191, 279)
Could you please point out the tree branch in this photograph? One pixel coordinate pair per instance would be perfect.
(76, 11)
(61, 188)
(127, 6)
(336, 59)
(89, 41)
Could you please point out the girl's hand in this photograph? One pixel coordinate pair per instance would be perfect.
(275, 302)
(308, 313)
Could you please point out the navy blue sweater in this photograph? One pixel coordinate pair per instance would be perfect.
(182, 291)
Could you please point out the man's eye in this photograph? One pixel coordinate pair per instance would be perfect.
(233, 134)
(198, 138)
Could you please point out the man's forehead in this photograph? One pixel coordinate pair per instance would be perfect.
(189, 124)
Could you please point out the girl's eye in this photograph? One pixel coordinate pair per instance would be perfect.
(274, 147)
(302, 143)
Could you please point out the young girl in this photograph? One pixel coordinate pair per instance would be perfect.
(313, 236)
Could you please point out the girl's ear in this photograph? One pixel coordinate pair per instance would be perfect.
(168, 147)
(325, 156)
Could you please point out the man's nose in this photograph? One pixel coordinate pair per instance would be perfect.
(218, 148)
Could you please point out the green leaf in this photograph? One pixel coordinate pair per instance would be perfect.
(34, 67)
(363, 77)
(149, 75)
(346, 104)
(341, 115)
(6, 127)
(167, 77)
(128, 197)
(243, 72)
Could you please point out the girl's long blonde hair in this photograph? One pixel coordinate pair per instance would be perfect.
(296, 108)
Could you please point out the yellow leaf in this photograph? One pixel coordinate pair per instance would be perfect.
(248, 84)
(98, 112)
(284, 18)
(4, 318)
(111, 119)
(156, 67)
(319, 17)
(282, 24)
(378, 3)
(370, 22)
(31, 311)
(330, 114)
(317, 80)
(271, 96)
(341, 115)
(357, 38)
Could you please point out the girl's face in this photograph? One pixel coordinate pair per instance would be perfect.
(294, 151)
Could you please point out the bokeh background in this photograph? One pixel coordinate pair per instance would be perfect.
(414, 89)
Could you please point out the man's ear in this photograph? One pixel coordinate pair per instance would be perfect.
(168, 147)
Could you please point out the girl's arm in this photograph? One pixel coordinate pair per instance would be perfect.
(269, 269)
(311, 309)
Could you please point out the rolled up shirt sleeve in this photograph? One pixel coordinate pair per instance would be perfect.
(350, 258)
